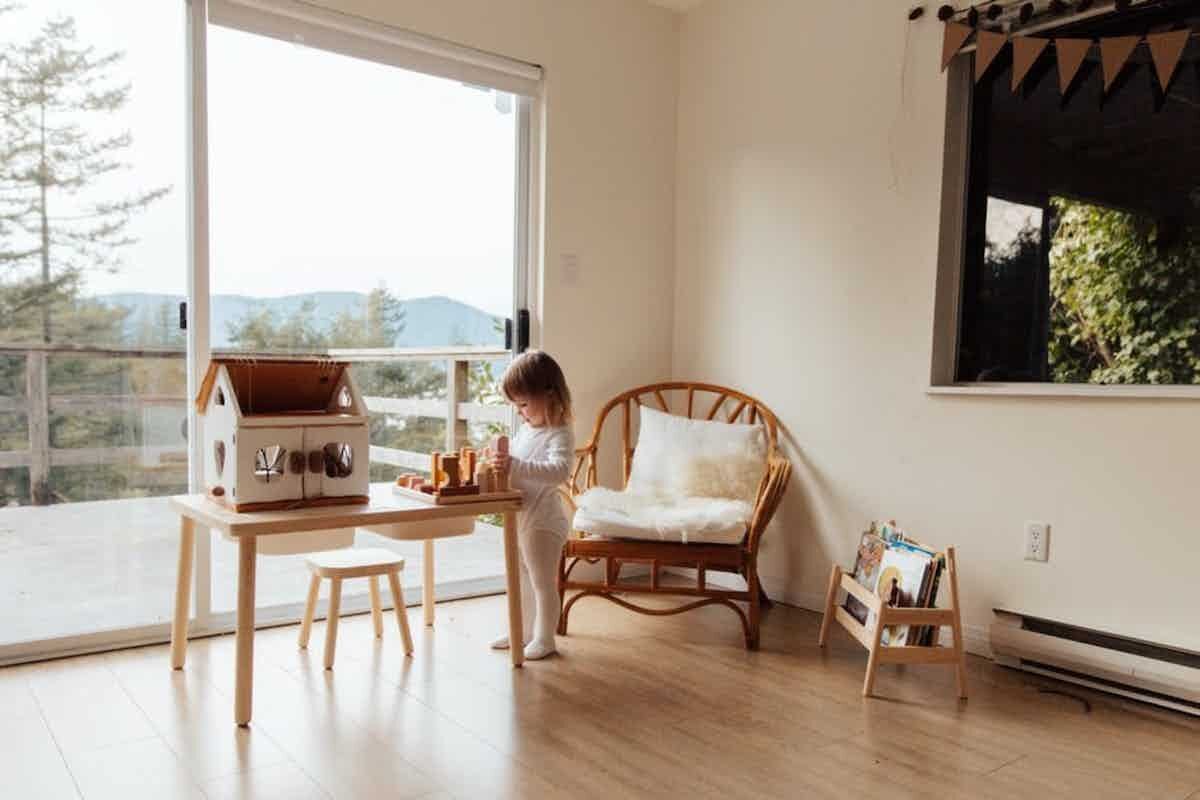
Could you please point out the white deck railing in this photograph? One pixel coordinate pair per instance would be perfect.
(37, 404)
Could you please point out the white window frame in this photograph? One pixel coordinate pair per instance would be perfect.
(315, 27)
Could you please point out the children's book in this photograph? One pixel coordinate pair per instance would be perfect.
(928, 634)
(905, 575)
(866, 573)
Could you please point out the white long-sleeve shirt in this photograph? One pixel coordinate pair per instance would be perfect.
(541, 462)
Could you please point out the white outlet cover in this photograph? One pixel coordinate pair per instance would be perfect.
(1037, 541)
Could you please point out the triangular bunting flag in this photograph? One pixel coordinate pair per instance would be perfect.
(987, 46)
(1114, 52)
(1071, 53)
(1166, 48)
(1026, 50)
(954, 37)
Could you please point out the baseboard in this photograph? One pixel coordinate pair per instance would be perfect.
(976, 638)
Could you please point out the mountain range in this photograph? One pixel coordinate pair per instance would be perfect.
(428, 321)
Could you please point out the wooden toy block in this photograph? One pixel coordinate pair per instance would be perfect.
(469, 458)
(457, 491)
(500, 476)
(435, 468)
(483, 477)
(427, 488)
(453, 474)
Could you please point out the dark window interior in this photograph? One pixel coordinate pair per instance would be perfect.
(1082, 249)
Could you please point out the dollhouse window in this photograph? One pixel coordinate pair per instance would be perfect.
(269, 463)
(339, 460)
(220, 397)
(343, 397)
(219, 456)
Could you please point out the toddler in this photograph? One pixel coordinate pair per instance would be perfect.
(538, 462)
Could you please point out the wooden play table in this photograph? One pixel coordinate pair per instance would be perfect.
(385, 508)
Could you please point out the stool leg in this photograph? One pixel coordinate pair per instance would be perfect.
(376, 607)
(401, 613)
(331, 625)
(310, 608)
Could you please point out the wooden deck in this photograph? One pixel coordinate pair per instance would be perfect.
(81, 567)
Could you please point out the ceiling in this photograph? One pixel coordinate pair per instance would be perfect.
(676, 5)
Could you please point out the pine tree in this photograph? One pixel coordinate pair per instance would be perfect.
(53, 92)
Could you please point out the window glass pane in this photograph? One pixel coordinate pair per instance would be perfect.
(93, 254)
(355, 204)
(1082, 257)
(358, 206)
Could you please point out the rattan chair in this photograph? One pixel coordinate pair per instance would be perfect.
(697, 401)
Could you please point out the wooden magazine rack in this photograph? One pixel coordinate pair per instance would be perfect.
(885, 615)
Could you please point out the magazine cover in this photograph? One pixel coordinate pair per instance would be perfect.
(866, 572)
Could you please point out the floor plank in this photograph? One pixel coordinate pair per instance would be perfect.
(632, 707)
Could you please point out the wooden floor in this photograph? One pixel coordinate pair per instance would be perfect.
(634, 707)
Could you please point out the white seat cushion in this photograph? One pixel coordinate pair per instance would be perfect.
(656, 516)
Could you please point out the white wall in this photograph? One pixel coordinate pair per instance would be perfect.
(611, 71)
(809, 162)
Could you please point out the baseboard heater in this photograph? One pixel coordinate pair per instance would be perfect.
(1153, 673)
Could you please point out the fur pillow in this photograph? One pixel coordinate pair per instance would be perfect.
(696, 458)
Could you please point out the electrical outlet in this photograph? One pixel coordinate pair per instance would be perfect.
(1037, 541)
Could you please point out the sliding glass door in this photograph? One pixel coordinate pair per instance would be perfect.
(363, 211)
(93, 260)
(290, 181)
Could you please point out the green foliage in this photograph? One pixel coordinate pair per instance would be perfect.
(263, 332)
(1125, 298)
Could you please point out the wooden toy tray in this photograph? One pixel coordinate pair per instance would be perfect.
(454, 500)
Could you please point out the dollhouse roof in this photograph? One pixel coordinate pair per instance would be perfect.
(276, 386)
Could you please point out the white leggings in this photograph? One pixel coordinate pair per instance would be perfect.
(540, 551)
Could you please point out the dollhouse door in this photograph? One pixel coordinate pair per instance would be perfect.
(338, 461)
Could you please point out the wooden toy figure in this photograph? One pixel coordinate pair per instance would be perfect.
(452, 472)
(469, 458)
(435, 468)
(483, 477)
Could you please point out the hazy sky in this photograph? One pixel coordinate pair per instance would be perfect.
(326, 173)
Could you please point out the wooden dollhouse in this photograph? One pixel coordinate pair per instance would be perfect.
(283, 434)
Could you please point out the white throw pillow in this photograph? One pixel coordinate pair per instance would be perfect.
(698, 458)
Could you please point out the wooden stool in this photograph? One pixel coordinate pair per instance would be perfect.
(340, 564)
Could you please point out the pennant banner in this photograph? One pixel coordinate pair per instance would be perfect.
(1166, 49)
(1114, 52)
(953, 38)
(987, 46)
(1071, 53)
(1026, 50)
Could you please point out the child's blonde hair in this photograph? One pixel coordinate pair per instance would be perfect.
(535, 374)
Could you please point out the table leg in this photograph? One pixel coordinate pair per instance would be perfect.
(512, 573)
(427, 588)
(244, 690)
(183, 591)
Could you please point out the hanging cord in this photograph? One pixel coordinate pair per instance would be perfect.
(900, 105)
